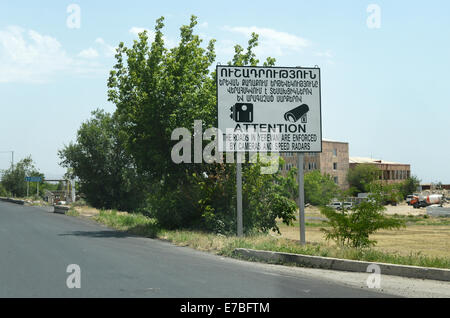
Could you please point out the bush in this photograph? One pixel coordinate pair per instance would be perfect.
(208, 201)
(3, 192)
(353, 228)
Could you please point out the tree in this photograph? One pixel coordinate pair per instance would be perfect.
(3, 191)
(353, 228)
(107, 174)
(319, 189)
(409, 186)
(157, 90)
(361, 176)
(13, 179)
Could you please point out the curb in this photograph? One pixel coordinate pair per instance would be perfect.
(10, 200)
(60, 209)
(345, 265)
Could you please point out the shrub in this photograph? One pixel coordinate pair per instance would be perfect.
(353, 228)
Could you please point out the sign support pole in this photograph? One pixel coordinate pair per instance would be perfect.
(28, 188)
(301, 198)
(240, 231)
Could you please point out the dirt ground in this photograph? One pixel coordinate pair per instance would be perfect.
(404, 209)
(401, 209)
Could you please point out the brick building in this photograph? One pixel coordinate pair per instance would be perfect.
(334, 160)
(391, 172)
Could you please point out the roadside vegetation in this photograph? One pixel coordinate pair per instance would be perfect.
(123, 162)
(362, 178)
(141, 225)
(13, 184)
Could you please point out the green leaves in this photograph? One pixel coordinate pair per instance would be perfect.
(249, 58)
(107, 174)
(13, 180)
(156, 90)
(362, 176)
(353, 228)
(319, 189)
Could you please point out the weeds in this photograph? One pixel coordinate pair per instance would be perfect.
(141, 225)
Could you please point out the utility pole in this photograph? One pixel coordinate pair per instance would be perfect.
(12, 158)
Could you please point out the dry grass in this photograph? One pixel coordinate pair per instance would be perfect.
(420, 245)
(90, 212)
(429, 240)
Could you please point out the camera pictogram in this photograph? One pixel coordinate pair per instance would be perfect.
(297, 113)
(242, 112)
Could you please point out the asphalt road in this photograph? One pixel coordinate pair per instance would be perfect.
(36, 248)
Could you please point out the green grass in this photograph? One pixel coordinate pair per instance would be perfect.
(136, 224)
(72, 212)
(141, 225)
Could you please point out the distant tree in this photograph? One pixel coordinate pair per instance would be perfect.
(392, 193)
(107, 174)
(361, 176)
(409, 186)
(13, 180)
(319, 188)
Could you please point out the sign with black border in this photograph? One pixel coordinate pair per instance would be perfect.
(269, 109)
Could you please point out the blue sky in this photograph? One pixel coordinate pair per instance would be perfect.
(384, 90)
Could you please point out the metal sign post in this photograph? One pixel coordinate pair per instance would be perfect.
(301, 199)
(240, 230)
(33, 179)
(269, 110)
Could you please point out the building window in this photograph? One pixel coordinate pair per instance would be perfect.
(336, 180)
(335, 152)
(334, 165)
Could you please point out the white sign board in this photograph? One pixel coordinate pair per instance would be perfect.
(276, 109)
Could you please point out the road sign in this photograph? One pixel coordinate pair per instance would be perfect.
(33, 179)
(276, 108)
